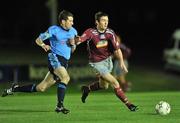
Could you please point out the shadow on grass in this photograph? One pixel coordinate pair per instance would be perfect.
(151, 113)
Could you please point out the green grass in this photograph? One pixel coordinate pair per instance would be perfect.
(100, 108)
(149, 86)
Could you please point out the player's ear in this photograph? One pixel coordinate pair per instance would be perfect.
(63, 22)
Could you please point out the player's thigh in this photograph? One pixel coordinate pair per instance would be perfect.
(47, 82)
(62, 73)
(110, 79)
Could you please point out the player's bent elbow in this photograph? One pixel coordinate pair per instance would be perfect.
(37, 40)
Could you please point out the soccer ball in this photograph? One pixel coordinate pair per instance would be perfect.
(162, 108)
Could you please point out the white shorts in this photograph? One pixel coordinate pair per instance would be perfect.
(103, 67)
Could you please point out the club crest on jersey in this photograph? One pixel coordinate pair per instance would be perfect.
(102, 43)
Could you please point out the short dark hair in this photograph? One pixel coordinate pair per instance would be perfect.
(99, 14)
(63, 15)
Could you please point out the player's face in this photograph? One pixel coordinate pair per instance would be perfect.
(68, 23)
(102, 24)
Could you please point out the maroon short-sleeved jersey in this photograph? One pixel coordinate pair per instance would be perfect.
(100, 45)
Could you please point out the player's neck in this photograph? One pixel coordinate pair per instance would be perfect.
(63, 27)
(101, 30)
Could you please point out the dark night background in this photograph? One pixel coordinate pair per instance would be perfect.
(145, 27)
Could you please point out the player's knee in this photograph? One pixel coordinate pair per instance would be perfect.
(115, 84)
(41, 89)
(66, 79)
(104, 86)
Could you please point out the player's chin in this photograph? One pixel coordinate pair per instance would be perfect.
(105, 27)
(69, 27)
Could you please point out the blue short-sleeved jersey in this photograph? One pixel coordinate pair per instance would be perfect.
(58, 38)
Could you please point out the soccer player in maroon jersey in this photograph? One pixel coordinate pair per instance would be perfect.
(101, 45)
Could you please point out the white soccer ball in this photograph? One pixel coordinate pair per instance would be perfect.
(163, 108)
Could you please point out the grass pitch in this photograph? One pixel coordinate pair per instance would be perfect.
(101, 107)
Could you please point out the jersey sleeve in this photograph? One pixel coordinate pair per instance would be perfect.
(48, 34)
(86, 35)
(73, 33)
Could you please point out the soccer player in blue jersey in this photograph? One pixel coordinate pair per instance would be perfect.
(61, 46)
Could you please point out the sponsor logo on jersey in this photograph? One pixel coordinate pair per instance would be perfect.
(102, 43)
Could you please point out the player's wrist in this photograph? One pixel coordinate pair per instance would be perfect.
(42, 45)
(73, 46)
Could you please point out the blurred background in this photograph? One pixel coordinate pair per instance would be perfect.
(145, 27)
